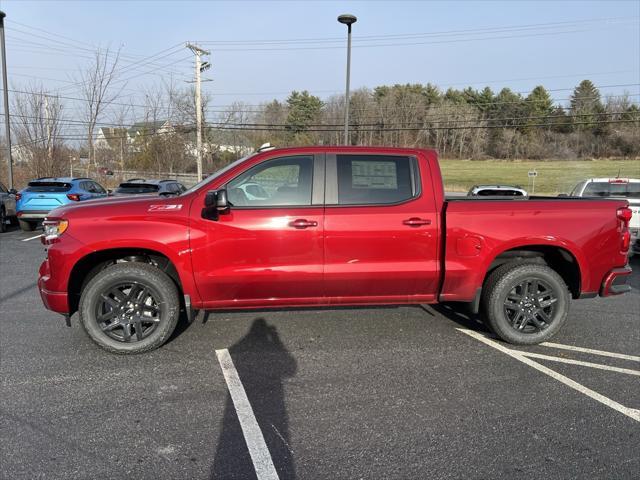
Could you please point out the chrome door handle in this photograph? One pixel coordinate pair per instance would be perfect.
(302, 223)
(416, 222)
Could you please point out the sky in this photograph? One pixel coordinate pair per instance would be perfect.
(263, 50)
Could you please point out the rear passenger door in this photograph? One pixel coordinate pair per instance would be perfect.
(381, 232)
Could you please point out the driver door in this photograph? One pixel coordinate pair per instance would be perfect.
(268, 248)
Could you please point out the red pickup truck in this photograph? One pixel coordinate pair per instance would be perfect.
(323, 226)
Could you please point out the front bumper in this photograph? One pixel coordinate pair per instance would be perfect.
(56, 301)
(615, 282)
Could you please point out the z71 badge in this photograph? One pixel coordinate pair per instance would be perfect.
(164, 208)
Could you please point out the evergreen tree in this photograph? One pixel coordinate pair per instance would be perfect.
(585, 106)
(304, 109)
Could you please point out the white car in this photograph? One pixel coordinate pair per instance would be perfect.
(496, 191)
(627, 188)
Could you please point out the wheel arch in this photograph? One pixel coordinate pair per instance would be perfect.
(91, 264)
(560, 258)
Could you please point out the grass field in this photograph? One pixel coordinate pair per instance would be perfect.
(554, 176)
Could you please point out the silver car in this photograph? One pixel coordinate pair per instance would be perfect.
(7, 207)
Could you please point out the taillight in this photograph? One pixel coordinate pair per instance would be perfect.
(73, 196)
(18, 196)
(624, 214)
(626, 241)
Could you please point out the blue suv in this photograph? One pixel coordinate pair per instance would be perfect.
(44, 194)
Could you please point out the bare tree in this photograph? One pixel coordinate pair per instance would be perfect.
(96, 83)
(37, 123)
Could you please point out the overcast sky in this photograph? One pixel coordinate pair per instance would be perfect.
(262, 50)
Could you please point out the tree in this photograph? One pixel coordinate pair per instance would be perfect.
(585, 106)
(95, 84)
(37, 125)
(304, 110)
(538, 104)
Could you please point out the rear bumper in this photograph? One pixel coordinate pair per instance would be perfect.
(32, 214)
(615, 283)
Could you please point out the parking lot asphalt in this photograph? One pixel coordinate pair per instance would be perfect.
(350, 393)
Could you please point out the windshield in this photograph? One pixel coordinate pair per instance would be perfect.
(606, 189)
(215, 175)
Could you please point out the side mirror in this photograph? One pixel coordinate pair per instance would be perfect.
(216, 202)
(13, 191)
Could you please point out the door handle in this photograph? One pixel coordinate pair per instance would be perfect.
(302, 223)
(416, 222)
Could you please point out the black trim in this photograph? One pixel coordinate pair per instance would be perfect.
(475, 304)
(584, 295)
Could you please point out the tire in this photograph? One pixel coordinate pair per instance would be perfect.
(117, 326)
(3, 220)
(525, 318)
(26, 226)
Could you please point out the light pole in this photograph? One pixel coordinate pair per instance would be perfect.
(348, 20)
(6, 99)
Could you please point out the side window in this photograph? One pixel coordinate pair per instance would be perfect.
(97, 188)
(86, 186)
(578, 188)
(375, 179)
(3, 189)
(181, 187)
(281, 181)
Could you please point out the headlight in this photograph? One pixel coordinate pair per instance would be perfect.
(54, 228)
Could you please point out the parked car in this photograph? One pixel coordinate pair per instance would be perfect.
(341, 226)
(7, 207)
(105, 171)
(627, 188)
(140, 186)
(44, 194)
(496, 191)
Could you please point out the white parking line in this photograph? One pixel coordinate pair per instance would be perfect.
(258, 450)
(602, 353)
(570, 361)
(629, 412)
(31, 238)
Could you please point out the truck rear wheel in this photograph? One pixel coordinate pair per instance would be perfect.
(525, 304)
(129, 308)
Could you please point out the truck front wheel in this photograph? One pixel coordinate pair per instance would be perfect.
(129, 308)
(525, 304)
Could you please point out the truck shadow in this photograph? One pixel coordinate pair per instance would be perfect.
(263, 364)
(461, 314)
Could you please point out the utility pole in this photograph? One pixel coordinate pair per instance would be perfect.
(5, 86)
(49, 142)
(200, 67)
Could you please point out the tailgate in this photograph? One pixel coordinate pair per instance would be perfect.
(44, 201)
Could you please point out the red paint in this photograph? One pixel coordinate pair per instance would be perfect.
(319, 255)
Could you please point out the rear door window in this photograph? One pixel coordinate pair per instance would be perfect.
(375, 179)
